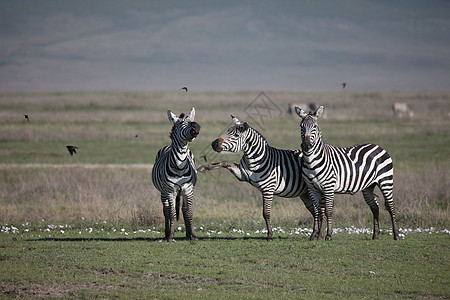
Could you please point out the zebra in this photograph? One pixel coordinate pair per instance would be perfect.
(273, 171)
(328, 169)
(174, 173)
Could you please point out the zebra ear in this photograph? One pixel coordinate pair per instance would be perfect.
(191, 115)
(318, 113)
(172, 117)
(300, 112)
(235, 120)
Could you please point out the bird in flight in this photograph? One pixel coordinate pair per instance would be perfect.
(27, 117)
(344, 84)
(71, 149)
(184, 88)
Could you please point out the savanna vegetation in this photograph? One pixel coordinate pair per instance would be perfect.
(107, 185)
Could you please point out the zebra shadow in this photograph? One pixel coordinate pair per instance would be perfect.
(152, 239)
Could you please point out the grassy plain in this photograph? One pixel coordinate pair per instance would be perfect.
(41, 184)
(112, 265)
(129, 128)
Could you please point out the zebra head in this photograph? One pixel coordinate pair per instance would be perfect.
(234, 140)
(184, 128)
(310, 131)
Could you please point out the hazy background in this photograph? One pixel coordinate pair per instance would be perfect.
(224, 45)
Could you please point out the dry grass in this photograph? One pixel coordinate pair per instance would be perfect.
(75, 194)
(127, 196)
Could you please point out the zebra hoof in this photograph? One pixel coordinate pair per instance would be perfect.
(314, 237)
(226, 164)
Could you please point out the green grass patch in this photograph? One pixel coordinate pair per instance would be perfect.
(113, 265)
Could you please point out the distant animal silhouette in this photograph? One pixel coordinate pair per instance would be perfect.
(71, 149)
(184, 88)
(27, 118)
(344, 84)
(401, 109)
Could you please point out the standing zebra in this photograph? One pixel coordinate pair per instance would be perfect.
(174, 173)
(328, 169)
(273, 171)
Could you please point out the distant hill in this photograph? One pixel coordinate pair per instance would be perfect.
(233, 45)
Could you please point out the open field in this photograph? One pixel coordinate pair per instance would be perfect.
(122, 128)
(108, 182)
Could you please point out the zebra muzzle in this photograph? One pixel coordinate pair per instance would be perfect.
(306, 143)
(217, 145)
(195, 129)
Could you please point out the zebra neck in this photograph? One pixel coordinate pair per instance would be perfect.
(257, 150)
(314, 153)
(179, 154)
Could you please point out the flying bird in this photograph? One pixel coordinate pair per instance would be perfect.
(72, 150)
(27, 118)
(344, 84)
(184, 88)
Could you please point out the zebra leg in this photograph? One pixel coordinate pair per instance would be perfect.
(370, 199)
(322, 222)
(188, 216)
(390, 206)
(313, 209)
(316, 197)
(235, 170)
(267, 204)
(329, 202)
(168, 202)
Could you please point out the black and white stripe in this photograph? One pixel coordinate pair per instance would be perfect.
(174, 173)
(328, 170)
(273, 171)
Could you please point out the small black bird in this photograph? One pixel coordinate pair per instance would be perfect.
(136, 135)
(184, 88)
(344, 84)
(204, 157)
(27, 118)
(72, 149)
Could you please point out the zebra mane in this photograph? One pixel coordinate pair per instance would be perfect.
(259, 133)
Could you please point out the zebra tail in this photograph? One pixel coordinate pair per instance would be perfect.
(177, 207)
